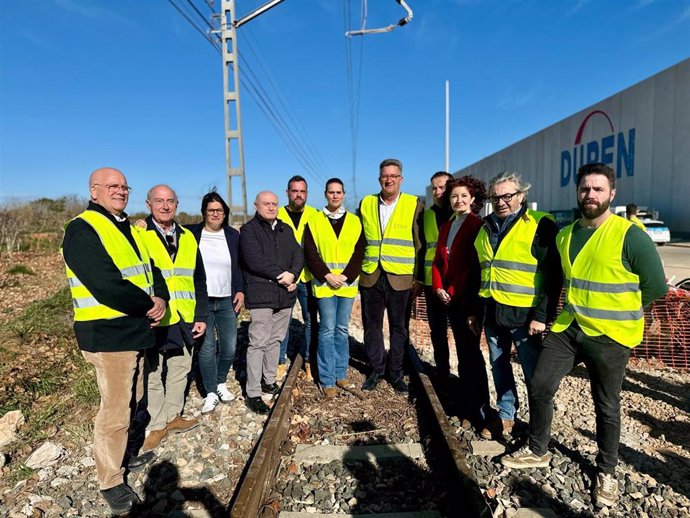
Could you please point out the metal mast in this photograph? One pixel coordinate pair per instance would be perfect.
(234, 148)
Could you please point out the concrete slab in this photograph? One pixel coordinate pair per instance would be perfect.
(487, 448)
(419, 514)
(328, 453)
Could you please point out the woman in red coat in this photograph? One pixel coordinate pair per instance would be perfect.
(455, 280)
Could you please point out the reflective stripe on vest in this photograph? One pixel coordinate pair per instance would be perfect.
(600, 293)
(510, 276)
(132, 268)
(395, 249)
(335, 252)
(307, 214)
(178, 274)
(431, 237)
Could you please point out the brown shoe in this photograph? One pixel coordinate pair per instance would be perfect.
(466, 424)
(496, 429)
(330, 392)
(181, 425)
(345, 384)
(153, 439)
(307, 372)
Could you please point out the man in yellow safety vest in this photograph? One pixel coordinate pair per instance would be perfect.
(612, 270)
(118, 297)
(174, 249)
(393, 267)
(296, 215)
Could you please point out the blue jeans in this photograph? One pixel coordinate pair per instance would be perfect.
(333, 353)
(303, 297)
(528, 348)
(216, 356)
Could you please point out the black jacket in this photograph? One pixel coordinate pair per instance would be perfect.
(232, 237)
(548, 262)
(265, 253)
(85, 255)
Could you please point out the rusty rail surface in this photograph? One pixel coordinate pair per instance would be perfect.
(474, 504)
(266, 458)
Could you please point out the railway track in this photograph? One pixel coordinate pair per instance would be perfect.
(361, 454)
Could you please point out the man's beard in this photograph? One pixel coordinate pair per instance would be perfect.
(593, 212)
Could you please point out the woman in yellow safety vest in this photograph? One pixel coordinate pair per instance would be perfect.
(334, 249)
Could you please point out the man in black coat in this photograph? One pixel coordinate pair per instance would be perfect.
(272, 262)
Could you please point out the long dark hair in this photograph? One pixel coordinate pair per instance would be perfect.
(475, 186)
(210, 198)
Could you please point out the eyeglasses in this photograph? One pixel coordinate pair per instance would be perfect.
(170, 240)
(114, 187)
(389, 177)
(505, 197)
(215, 211)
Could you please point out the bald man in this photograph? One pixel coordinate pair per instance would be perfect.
(272, 261)
(119, 297)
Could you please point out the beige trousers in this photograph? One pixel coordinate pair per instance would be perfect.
(165, 398)
(121, 385)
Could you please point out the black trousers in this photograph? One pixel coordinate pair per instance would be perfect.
(605, 360)
(437, 315)
(375, 300)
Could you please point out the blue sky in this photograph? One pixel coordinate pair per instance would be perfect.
(130, 84)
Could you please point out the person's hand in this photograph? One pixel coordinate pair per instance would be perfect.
(198, 329)
(474, 325)
(238, 301)
(141, 223)
(334, 280)
(157, 312)
(536, 328)
(292, 287)
(417, 288)
(443, 295)
(286, 278)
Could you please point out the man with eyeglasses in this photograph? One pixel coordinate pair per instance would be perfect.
(175, 251)
(392, 269)
(612, 271)
(296, 215)
(520, 285)
(119, 296)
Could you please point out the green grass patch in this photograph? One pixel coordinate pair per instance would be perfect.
(21, 269)
(18, 473)
(49, 316)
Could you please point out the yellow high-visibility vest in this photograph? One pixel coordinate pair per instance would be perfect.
(336, 252)
(178, 274)
(307, 214)
(600, 293)
(133, 269)
(394, 251)
(636, 221)
(511, 276)
(431, 236)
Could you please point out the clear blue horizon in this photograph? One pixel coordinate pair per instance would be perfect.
(132, 85)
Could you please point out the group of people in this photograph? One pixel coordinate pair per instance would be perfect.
(147, 296)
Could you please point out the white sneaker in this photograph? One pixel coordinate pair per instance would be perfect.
(210, 403)
(225, 395)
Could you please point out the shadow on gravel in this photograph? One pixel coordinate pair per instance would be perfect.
(677, 432)
(388, 485)
(163, 495)
(675, 472)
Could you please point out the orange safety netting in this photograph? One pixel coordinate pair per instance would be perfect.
(666, 337)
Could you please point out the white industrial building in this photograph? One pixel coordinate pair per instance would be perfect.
(643, 132)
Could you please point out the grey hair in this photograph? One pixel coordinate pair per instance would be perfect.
(150, 191)
(511, 176)
(390, 161)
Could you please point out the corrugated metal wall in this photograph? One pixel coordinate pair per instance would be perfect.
(653, 117)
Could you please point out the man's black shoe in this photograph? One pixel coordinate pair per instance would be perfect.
(269, 389)
(136, 463)
(257, 405)
(371, 382)
(399, 385)
(120, 498)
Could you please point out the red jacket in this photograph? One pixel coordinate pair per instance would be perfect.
(459, 276)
